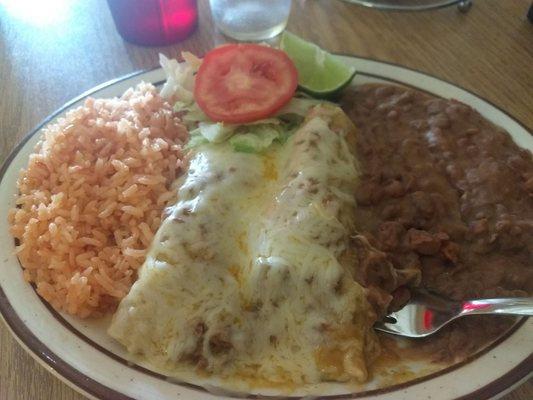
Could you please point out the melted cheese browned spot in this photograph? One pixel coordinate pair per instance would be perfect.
(245, 274)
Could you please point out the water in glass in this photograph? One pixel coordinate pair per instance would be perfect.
(251, 19)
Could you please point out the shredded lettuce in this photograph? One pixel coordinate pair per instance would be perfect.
(291, 122)
(216, 132)
(190, 114)
(180, 77)
(256, 140)
(196, 139)
(299, 106)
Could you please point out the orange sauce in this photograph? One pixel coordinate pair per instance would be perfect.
(270, 171)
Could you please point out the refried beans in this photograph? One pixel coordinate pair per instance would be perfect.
(448, 193)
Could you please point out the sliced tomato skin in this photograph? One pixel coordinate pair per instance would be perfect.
(238, 83)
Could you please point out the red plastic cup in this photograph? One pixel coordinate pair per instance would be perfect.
(154, 22)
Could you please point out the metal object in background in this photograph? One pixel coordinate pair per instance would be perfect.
(413, 5)
(464, 6)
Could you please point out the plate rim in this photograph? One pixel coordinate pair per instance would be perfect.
(72, 377)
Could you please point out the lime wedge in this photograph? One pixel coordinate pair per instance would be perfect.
(320, 73)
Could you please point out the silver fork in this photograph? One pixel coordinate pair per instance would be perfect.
(426, 313)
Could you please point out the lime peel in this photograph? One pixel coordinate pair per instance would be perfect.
(320, 73)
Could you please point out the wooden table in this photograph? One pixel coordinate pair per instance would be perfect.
(49, 55)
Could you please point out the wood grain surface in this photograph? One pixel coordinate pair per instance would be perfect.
(51, 51)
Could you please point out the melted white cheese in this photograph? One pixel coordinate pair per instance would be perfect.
(244, 279)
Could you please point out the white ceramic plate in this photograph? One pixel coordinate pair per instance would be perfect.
(81, 354)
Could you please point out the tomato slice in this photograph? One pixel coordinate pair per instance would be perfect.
(239, 83)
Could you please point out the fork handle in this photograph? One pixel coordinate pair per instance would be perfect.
(511, 306)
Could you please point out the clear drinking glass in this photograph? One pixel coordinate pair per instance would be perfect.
(250, 20)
